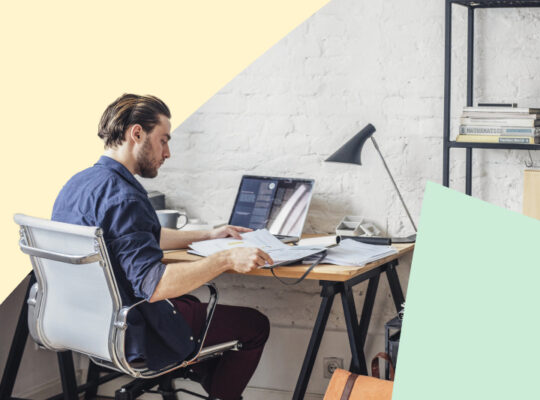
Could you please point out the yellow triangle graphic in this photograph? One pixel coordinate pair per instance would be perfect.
(63, 62)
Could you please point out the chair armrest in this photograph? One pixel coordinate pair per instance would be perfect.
(212, 303)
(199, 353)
(217, 349)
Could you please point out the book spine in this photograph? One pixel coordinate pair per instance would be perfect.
(498, 130)
(499, 115)
(518, 110)
(517, 139)
(497, 139)
(500, 122)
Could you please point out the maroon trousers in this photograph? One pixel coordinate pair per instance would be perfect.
(226, 377)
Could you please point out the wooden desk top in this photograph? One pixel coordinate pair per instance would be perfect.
(326, 272)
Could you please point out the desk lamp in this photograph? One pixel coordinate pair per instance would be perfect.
(350, 153)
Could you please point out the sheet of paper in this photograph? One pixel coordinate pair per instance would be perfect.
(353, 253)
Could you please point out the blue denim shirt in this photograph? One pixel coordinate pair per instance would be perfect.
(107, 195)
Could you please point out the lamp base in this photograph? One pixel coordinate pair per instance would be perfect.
(405, 239)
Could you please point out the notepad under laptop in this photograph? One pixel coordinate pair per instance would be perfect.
(277, 204)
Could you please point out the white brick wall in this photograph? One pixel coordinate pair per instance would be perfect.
(352, 63)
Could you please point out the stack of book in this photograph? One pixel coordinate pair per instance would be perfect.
(500, 125)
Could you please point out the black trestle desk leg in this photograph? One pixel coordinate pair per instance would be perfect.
(395, 287)
(367, 308)
(67, 374)
(327, 294)
(358, 360)
(17, 348)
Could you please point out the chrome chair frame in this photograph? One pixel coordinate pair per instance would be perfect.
(46, 259)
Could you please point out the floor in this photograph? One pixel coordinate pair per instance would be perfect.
(251, 393)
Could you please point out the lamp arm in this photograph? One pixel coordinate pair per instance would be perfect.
(393, 182)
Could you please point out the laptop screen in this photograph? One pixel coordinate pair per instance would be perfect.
(277, 204)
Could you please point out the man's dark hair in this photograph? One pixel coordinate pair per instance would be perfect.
(127, 110)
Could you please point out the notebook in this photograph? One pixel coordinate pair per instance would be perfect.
(279, 205)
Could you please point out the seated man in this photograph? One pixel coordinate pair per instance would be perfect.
(136, 131)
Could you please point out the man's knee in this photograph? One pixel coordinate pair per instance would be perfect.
(259, 325)
(263, 324)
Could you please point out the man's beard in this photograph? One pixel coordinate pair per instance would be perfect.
(146, 166)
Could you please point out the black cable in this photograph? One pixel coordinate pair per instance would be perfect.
(315, 263)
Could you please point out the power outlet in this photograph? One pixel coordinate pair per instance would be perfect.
(330, 364)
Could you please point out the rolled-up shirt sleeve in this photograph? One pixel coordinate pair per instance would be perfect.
(133, 244)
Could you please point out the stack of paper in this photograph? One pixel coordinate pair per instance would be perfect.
(319, 241)
(351, 252)
(264, 240)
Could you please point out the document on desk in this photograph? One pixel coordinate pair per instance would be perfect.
(353, 253)
(261, 238)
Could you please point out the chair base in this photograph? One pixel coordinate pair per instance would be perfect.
(164, 383)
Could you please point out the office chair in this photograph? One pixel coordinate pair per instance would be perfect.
(74, 305)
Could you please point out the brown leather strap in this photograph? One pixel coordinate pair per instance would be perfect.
(375, 365)
(348, 386)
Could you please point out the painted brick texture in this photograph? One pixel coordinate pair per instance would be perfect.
(352, 63)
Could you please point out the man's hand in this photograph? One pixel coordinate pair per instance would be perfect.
(226, 231)
(177, 239)
(245, 259)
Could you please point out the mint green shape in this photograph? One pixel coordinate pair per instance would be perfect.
(472, 315)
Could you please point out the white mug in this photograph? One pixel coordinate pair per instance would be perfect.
(169, 218)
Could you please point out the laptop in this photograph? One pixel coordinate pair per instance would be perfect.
(277, 204)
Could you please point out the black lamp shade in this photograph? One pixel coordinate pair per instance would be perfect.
(350, 152)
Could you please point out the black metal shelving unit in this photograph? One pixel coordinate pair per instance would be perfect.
(447, 143)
